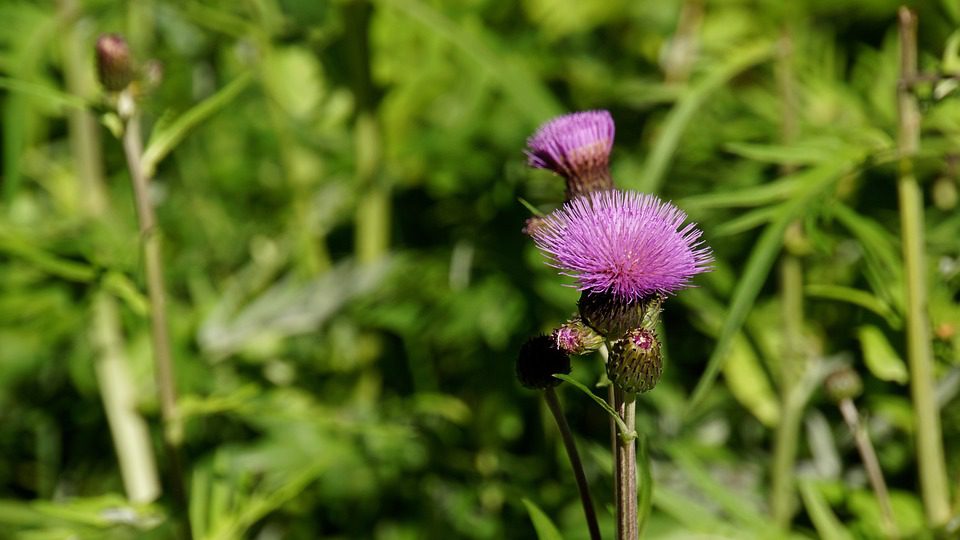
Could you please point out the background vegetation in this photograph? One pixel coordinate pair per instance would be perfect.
(348, 284)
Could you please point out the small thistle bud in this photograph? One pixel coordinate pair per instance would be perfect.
(577, 147)
(574, 337)
(613, 316)
(114, 65)
(635, 362)
(531, 225)
(845, 383)
(539, 359)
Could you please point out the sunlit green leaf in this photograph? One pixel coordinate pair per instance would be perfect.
(881, 358)
(545, 528)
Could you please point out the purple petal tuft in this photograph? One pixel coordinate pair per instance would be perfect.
(625, 243)
(573, 143)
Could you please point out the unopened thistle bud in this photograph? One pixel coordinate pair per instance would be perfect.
(574, 337)
(844, 383)
(577, 147)
(114, 65)
(613, 316)
(635, 362)
(539, 360)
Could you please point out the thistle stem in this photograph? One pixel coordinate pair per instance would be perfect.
(153, 268)
(372, 233)
(612, 400)
(791, 302)
(930, 457)
(571, 447)
(787, 435)
(626, 464)
(131, 437)
(128, 429)
(784, 457)
(870, 462)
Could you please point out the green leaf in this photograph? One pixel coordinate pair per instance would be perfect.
(951, 54)
(795, 154)
(533, 209)
(26, 249)
(600, 401)
(881, 358)
(530, 96)
(823, 518)
(52, 95)
(545, 528)
(743, 372)
(733, 504)
(120, 285)
(884, 269)
(855, 297)
(755, 274)
(749, 383)
(683, 112)
(772, 192)
(644, 484)
(748, 220)
(168, 136)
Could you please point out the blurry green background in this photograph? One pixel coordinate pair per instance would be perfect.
(348, 283)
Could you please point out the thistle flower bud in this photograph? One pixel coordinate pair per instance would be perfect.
(613, 316)
(844, 383)
(538, 360)
(635, 362)
(114, 65)
(577, 147)
(574, 337)
(531, 225)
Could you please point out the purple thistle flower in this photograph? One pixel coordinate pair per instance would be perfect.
(577, 147)
(623, 243)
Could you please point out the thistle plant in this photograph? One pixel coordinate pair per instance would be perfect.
(627, 252)
(117, 74)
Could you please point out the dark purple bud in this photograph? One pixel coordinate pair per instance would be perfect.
(538, 361)
(114, 65)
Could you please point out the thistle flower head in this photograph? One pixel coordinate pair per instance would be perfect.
(577, 147)
(625, 244)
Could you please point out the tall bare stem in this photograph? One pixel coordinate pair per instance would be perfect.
(791, 303)
(930, 459)
(626, 464)
(128, 429)
(870, 463)
(550, 395)
(153, 268)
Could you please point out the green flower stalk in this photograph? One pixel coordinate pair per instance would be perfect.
(539, 360)
(116, 72)
(843, 386)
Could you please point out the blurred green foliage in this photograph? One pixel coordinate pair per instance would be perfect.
(349, 285)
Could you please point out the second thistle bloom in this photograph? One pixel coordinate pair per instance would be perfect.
(624, 244)
(577, 147)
